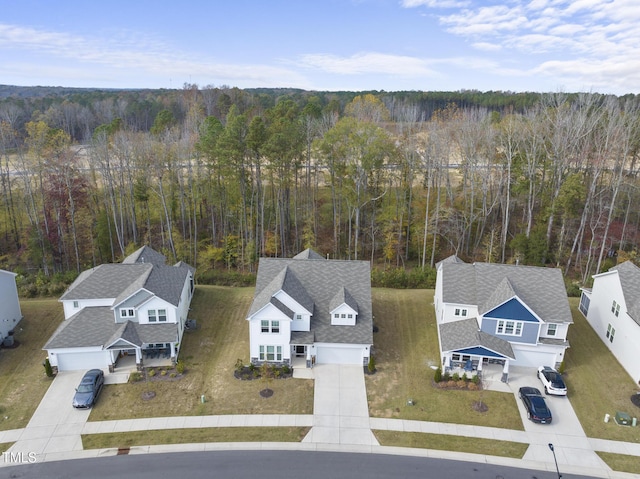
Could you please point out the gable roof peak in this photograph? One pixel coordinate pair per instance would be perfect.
(308, 254)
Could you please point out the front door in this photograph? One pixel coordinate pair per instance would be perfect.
(301, 351)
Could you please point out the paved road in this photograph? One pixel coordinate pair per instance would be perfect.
(271, 465)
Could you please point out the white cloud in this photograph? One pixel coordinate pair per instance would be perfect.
(486, 46)
(434, 3)
(369, 62)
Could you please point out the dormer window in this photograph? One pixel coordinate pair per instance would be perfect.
(159, 315)
(127, 313)
(76, 305)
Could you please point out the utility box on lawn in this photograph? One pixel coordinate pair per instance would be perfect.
(623, 419)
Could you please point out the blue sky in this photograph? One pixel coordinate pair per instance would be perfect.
(509, 45)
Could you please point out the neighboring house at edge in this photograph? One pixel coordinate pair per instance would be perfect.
(10, 313)
(311, 308)
(612, 308)
(510, 314)
(122, 309)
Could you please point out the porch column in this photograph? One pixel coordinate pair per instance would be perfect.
(505, 371)
(480, 360)
(446, 361)
(139, 358)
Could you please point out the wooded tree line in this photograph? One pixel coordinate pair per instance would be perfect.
(219, 177)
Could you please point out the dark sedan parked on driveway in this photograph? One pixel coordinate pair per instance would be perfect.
(89, 388)
(534, 403)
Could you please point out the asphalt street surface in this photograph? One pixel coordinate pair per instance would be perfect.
(268, 465)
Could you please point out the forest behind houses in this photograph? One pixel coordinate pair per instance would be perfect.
(219, 177)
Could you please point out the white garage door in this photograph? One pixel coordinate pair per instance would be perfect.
(338, 355)
(533, 359)
(75, 361)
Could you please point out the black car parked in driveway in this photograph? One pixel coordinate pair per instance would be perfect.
(89, 388)
(534, 403)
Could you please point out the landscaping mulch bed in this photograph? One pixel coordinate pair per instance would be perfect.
(248, 373)
(158, 374)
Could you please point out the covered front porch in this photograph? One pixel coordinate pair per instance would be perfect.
(465, 349)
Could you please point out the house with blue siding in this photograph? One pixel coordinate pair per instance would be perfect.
(506, 314)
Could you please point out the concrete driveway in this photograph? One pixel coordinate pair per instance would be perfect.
(340, 409)
(565, 432)
(56, 425)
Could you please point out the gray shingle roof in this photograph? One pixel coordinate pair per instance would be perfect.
(484, 285)
(343, 297)
(95, 326)
(121, 281)
(629, 275)
(145, 255)
(308, 254)
(106, 281)
(321, 281)
(89, 327)
(463, 334)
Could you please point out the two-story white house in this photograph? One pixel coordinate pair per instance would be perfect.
(514, 315)
(10, 313)
(612, 308)
(137, 307)
(311, 308)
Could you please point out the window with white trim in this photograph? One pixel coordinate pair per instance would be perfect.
(267, 326)
(611, 332)
(270, 353)
(127, 313)
(460, 312)
(552, 329)
(159, 315)
(509, 328)
(298, 317)
(76, 305)
(615, 308)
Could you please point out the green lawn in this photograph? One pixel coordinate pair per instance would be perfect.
(210, 353)
(597, 383)
(443, 442)
(23, 382)
(195, 435)
(406, 345)
(621, 462)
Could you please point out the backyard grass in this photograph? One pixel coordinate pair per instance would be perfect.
(621, 462)
(195, 435)
(597, 383)
(209, 353)
(23, 382)
(444, 442)
(405, 348)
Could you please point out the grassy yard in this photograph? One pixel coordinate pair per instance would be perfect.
(195, 435)
(210, 353)
(597, 384)
(406, 345)
(23, 382)
(621, 462)
(442, 442)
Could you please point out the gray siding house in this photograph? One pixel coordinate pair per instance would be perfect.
(510, 314)
(135, 308)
